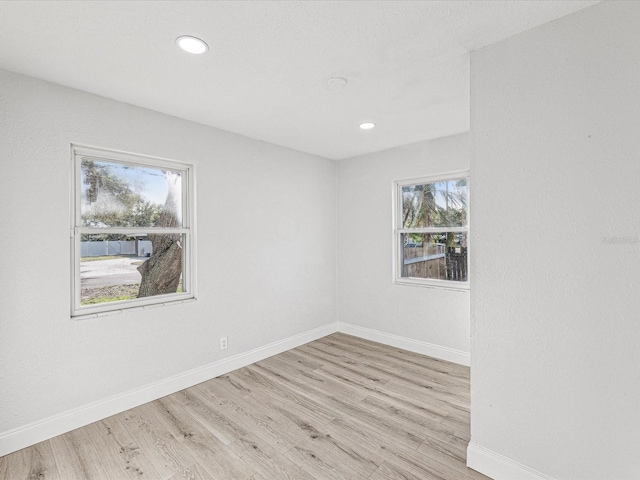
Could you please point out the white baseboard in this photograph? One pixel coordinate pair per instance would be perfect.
(417, 346)
(498, 466)
(24, 436)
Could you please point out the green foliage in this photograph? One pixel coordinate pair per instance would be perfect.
(434, 205)
(113, 201)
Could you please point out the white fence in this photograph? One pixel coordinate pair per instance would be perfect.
(99, 249)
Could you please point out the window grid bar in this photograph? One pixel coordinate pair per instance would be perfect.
(130, 231)
(433, 230)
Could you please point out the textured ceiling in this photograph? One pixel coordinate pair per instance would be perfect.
(407, 63)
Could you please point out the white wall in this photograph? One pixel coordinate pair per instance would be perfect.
(555, 375)
(366, 295)
(266, 259)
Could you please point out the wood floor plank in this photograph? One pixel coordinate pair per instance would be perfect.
(449, 456)
(434, 364)
(364, 452)
(209, 452)
(405, 417)
(351, 460)
(390, 364)
(437, 377)
(338, 408)
(457, 417)
(389, 451)
(411, 373)
(169, 456)
(354, 368)
(119, 453)
(423, 466)
(204, 408)
(353, 390)
(452, 401)
(282, 400)
(258, 423)
(303, 364)
(389, 471)
(266, 461)
(257, 476)
(33, 463)
(289, 426)
(409, 436)
(460, 424)
(77, 457)
(361, 380)
(338, 351)
(257, 381)
(325, 467)
(289, 367)
(195, 472)
(430, 410)
(437, 386)
(354, 433)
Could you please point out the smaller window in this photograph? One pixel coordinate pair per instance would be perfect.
(431, 231)
(132, 231)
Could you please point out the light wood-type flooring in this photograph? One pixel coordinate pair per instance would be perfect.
(337, 408)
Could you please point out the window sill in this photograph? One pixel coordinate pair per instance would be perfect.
(135, 308)
(435, 284)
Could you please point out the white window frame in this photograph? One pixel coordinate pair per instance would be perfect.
(187, 172)
(398, 230)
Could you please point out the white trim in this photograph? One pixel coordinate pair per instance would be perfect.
(417, 346)
(123, 156)
(24, 436)
(430, 283)
(498, 466)
(134, 308)
(187, 230)
(129, 230)
(433, 230)
(438, 177)
(397, 264)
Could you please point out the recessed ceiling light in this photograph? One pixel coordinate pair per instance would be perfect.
(336, 83)
(367, 125)
(192, 44)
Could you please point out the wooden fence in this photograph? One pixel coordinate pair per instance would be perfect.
(436, 261)
(457, 263)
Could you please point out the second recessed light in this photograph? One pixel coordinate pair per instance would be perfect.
(367, 125)
(192, 44)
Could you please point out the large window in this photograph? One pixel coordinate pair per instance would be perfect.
(132, 233)
(431, 231)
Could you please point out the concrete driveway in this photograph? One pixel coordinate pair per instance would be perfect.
(116, 271)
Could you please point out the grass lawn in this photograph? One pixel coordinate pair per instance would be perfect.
(105, 257)
(113, 293)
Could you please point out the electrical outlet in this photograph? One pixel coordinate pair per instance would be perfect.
(223, 343)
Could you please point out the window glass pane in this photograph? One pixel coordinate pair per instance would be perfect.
(112, 267)
(128, 195)
(438, 204)
(440, 256)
